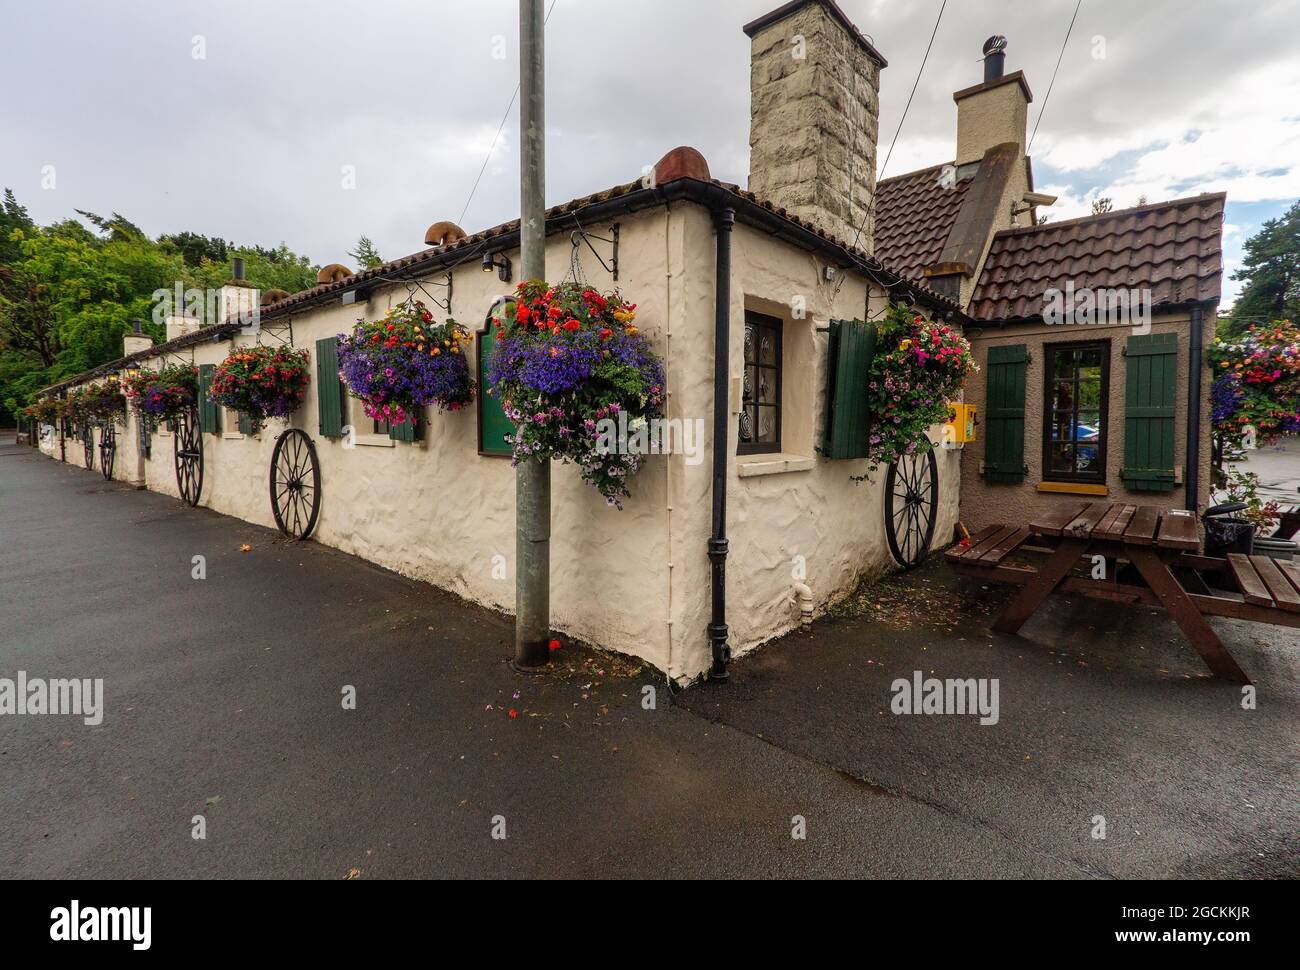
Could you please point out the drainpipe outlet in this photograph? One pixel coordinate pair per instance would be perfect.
(802, 594)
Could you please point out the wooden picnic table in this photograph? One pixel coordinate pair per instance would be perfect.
(1161, 544)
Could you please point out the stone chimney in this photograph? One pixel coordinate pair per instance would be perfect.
(993, 112)
(137, 340)
(178, 326)
(814, 116)
(238, 296)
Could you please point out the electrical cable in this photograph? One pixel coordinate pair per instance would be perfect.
(500, 128)
(1048, 96)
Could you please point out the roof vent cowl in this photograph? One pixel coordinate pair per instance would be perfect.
(995, 57)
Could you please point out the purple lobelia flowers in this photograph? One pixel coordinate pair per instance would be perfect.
(403, 362)
(567, 363)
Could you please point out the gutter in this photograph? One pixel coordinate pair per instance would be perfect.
(723, 219)
(1195, 367)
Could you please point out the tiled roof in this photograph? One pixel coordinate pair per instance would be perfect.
(620, 199)
(914, 214)
(1175, 249)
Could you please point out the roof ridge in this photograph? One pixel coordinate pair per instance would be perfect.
(914, 172)
(1115, 213)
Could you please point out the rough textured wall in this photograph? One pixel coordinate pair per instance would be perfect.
(836, 525)
(984, 503)
(637, 580)
(438, 511)
(813, 122)
(990, 117)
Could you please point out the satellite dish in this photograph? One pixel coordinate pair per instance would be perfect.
(995, 45)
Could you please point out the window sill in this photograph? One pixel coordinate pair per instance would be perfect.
(1073, 488)
(232, 436)
(374, 441)
(752, 466)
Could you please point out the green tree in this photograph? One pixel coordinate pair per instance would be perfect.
(69, 292)
(365, 254)
(1271, 272)
(12, 217)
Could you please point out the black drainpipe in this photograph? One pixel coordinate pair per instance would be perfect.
(1192, 475)
(724, 220)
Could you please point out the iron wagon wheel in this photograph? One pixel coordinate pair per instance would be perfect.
(188, 444)
(911, 507)
(88, 442)
(295, 484)
(107, 449)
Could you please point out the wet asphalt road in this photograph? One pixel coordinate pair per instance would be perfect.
(223, 699)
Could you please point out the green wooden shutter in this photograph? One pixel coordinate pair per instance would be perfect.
(405, 432)
(329, 388)
(493, 425)
(850, 349)
(1004, 414)
(245, 423)
(209, 412)
(1151, 377)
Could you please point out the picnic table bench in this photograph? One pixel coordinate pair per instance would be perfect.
(1160, 544)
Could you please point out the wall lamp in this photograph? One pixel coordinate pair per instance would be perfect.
(499, 262)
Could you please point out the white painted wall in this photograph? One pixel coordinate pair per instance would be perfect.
(636, 581)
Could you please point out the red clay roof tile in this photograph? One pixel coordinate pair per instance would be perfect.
(1174, 249)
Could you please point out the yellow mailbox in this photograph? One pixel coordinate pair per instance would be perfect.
(961, 424)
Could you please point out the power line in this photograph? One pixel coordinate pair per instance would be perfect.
(1048, 96)
(897, 130)
(500, 128)
(907, 107)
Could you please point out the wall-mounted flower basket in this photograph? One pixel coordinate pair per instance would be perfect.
(163, 395)
(567, 358)
(917, 368)
(45, 411)
(101, 403)
(404, 362)
(262, 382)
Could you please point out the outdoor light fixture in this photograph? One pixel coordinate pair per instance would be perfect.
(499, 262)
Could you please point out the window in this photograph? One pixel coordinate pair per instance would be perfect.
(1074, 412)
(760, 415)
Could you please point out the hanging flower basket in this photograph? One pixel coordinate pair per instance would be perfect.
(918, 368)
(45, 411)
(163, 395)
(100, 403)
(262, 382)
(566, 359)
(404, 362)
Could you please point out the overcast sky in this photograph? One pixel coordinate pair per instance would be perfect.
(1164, 98)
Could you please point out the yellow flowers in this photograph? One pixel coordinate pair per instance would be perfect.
(630, 331)
(904, 344)
(625, 316)
(435, 352)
